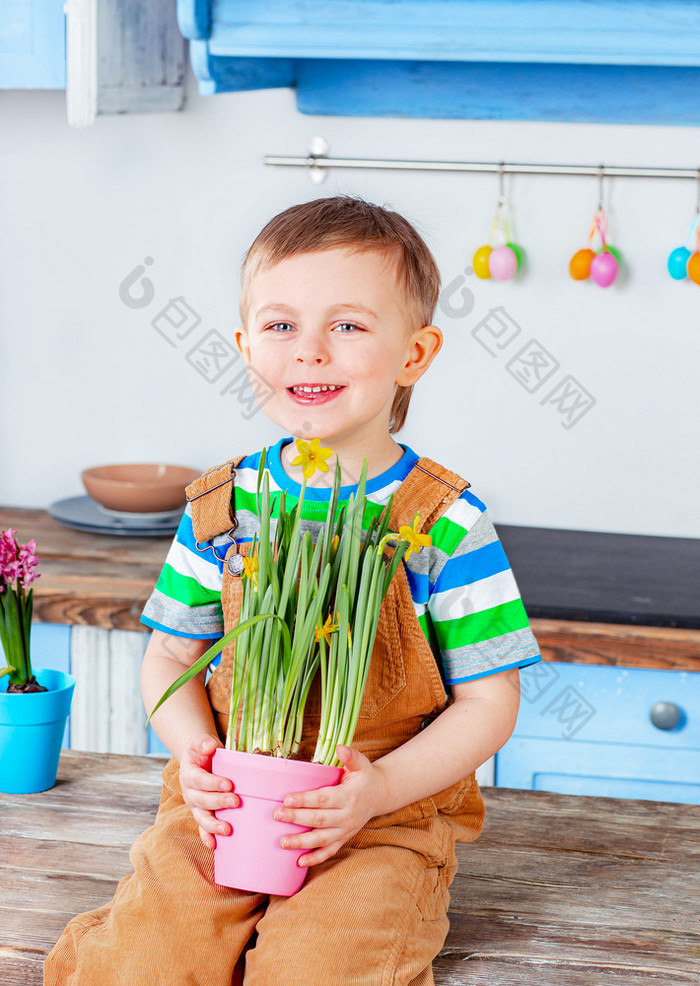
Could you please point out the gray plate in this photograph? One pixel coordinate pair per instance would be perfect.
(83, 514)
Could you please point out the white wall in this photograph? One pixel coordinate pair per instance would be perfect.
(86, 380)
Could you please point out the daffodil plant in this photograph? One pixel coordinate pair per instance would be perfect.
(307, 609)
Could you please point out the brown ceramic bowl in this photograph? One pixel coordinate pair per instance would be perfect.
(143, 487)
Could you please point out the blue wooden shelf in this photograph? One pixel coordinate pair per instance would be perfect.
(625, 61)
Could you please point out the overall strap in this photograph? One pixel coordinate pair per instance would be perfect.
(428, 490)
(210, 498)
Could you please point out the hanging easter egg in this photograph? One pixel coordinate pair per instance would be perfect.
(480, 263)
(677, 263)
(604, 268)
(580, 264)
(613, 250)
(519, 255)
(693, 268)
(503, 263)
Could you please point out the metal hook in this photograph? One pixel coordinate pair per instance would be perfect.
(697, 187)
(318, 149)
(601, 172)
(208, 546)
(501, 183)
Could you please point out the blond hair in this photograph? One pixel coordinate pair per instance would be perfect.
(349, 221)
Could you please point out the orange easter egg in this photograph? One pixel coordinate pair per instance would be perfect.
(693, 268)
(580, 265)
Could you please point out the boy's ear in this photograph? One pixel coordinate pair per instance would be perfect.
(241, 337)
(425, 344)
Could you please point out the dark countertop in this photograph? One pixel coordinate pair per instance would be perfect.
(608, 578)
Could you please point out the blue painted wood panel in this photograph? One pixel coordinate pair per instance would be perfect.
(484, 91)
(588, 61)
(601, 32)
(32, 44)
(216, 74)
(601, 770)
(587, 730)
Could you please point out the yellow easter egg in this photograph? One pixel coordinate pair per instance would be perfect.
(480, 263)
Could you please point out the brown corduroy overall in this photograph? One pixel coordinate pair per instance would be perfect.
(374, 914)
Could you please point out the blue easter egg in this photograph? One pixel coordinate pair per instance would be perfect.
(678, 262)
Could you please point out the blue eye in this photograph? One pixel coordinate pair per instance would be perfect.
(347, 325)
(282, 326)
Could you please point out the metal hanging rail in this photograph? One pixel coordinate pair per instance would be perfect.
(318, 162)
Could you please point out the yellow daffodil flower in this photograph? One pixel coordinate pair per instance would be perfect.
(311, 457)
(250, 569)
(326, 630)
(415, 540)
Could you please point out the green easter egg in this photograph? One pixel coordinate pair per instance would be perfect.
(519, 254)
(613, 250)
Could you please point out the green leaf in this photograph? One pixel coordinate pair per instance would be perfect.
(14, 646)
(208, 655)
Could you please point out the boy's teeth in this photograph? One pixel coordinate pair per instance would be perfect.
(316, 390)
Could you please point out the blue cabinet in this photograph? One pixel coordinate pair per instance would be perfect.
(572, 60)
(585, 729)
(32, 44)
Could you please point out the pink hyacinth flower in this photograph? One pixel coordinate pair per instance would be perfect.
(17, 561)
(9, 564)
(28, 560)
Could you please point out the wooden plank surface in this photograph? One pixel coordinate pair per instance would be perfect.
(559, 890)
(104, 581)
(618, 645)
(90, 579)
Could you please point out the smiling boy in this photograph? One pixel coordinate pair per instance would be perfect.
(335, 319)
(337, 302)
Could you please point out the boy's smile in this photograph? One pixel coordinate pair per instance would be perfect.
(330, 334)
(315, 394)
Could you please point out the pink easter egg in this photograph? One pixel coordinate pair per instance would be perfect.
(503, 263)
(604, 268)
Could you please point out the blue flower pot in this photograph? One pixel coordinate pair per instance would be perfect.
(31, 731)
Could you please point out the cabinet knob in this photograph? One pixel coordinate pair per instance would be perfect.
(665, 715)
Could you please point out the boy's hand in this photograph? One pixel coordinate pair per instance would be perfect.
(334, 814)
(202, 791)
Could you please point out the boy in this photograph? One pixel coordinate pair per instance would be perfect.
(337, 301)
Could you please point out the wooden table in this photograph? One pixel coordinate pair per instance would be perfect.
(559, 889)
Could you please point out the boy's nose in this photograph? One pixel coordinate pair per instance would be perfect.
(311, 351)
(307, 358)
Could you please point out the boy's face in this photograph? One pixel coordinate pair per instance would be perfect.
(333, 319)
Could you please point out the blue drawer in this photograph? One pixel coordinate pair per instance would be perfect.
(586, 729)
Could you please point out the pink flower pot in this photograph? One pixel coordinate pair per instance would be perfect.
(251, 857)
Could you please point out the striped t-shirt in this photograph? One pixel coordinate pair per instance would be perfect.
(463, 590)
